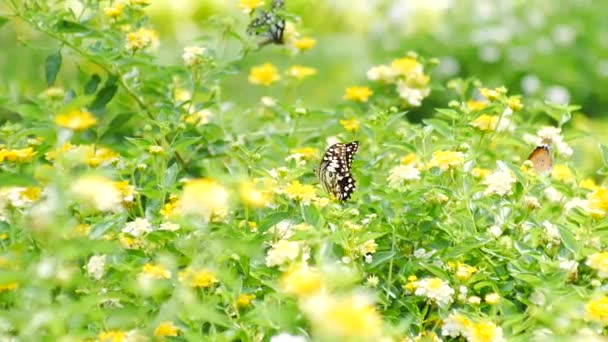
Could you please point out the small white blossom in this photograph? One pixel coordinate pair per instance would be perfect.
(499, 182)
(401, 173)
(495, 230)
(435, 289)
(551, 230)
(382, 73)
(553, 195)
(96, 267)
(282, 252)
(193, 55)
(285, 337)
(138, 227)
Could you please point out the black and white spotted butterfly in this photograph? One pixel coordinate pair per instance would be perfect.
(270, 23)
(334, 172)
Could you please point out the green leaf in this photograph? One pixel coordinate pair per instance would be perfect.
(568, 239)
(92, 84)
(70, 27)
(311, 214)
(273, 219)
(52, 64)
(171, 175)
(604, 151)
(3, 21)
(439, 126)
(104, 96)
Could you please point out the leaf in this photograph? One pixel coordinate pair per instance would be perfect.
(104, 96)
(273, 219)
(465, 246)
(382, 257)
(70, 27)
(52, 64)
(604, 151)
(171, 175)
(528, 278)
(311, 214)
(438, 125)
(3, 21)
(92, 84)
(568, 239)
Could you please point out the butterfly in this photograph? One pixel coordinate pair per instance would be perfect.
(334, 171)
(270, 23)
(541, 159)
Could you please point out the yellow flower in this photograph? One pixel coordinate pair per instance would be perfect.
(305, 152)
(597, 309)
(478, 172)
(297, 191)
(476, 105)
(141, 39)
(344, 318)
(203, 197)
(588, 183)
(562, 173)
(76, 120)
(599, 262)
(446, 159)
(492, 94)
(112, 336)
(97, 191)
(369, 247)
(156, 271)
(358, 94)
(412, 283)
(598, 199)
(304, 43)
(351, 125)
(265, 74)
(171, 208)
(515, 104)
(114, 12)
(201, 278)
(254, 196)
(484, 332)
(17, 156)
(492, 298)
(244, 300)
(405, 66)
(249, 5)
(301, 281)
(485, 122)
(166, 329)
(100, 156)
(410, 158)
(301, 72)
(464, 271)
(8, 287)
(155, 149)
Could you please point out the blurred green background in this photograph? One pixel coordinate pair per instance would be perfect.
(543, 49)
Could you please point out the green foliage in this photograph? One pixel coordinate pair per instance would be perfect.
(138, 201)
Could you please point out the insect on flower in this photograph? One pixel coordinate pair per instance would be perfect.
(334, 172)
(271, 23)
(541, 159)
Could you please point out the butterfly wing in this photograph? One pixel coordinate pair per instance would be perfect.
(541, 159)
(334, 172)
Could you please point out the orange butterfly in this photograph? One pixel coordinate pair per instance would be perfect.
(541, 159)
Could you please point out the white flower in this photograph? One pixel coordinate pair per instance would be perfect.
(382, 73)
(193, 55)
(551, 230)
(435, 289)
(413, 96)
(537, 298)
(499, 182)
(495, 230)
(282, 230)
(169, 226)
(268, 101)
(474, 300)
(401, 173)
(96, 267)
(532, 139)
(281, 252)
(553, 195)
(285, 337)
(138, 227)
(454, 325)
(299, 158)
(550, 134)
(200, 117)
(421, 253)
(563, 149)
(569, 266)
(531, 202)
(101, 193)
